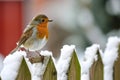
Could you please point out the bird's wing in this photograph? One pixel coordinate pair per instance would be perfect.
(25, 36)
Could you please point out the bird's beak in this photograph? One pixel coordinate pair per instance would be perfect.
(50, 20)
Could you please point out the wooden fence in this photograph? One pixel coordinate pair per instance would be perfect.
(96, 71)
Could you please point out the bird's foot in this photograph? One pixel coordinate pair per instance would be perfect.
(34, 56)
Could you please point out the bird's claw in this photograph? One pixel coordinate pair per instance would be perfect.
(35, 57)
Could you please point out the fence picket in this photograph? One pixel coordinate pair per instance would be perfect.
(74, 68)
(116, 72)
(96, 70)
(50, 72)
(23, 73)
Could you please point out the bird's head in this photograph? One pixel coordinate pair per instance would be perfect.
(41, 20)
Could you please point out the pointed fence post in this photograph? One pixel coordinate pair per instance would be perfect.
(50, 72)
(74, 68)
(116, 72)
(23, 73)
(96, 70)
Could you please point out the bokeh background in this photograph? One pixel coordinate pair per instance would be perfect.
(78, 22)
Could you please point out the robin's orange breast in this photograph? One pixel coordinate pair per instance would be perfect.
(42, 31)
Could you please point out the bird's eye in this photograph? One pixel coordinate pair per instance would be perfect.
(43, 20)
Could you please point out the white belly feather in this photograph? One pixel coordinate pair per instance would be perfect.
(33, 43)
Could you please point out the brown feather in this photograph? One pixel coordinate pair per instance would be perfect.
(27, 34)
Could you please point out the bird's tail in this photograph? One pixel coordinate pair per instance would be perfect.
(14, 50)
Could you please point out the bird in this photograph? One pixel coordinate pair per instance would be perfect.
(35, 35)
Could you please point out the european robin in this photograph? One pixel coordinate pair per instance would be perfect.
(35, 35)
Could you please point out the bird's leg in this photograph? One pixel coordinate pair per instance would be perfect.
(27, 51)
(41, 57)
(37, 52)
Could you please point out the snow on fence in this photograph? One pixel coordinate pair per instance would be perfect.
(95, 65)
